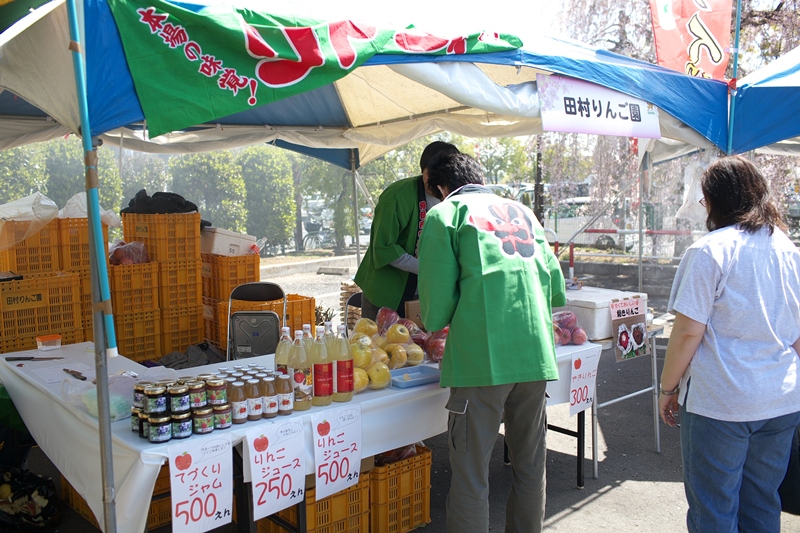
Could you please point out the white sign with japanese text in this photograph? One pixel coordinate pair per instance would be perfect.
(582, 381)
(629, 327)
(277, 465)
(577, 106)
(201, 481)
(337, 449)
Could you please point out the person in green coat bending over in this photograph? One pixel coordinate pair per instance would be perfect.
(485, 268)
(387, 275)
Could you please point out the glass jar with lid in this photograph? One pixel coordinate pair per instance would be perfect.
(160, 428)
(203, 420)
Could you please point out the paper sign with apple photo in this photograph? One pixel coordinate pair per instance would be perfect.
(629, 327)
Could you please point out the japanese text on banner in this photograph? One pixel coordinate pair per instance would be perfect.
(201, 481)
(276, 462)
(582, 381)
(629, 327)
(337, 449)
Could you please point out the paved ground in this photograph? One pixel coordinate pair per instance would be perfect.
(637, 489)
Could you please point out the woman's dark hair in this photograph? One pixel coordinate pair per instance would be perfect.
(453, 170)
(737, 193)
(433, 149)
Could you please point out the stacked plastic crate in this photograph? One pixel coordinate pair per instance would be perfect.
(173, 241)
(46, 300)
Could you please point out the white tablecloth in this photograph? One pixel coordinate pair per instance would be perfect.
(391, 418)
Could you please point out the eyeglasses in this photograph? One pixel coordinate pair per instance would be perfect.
(703, 201)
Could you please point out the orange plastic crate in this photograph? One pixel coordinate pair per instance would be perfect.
(168, 237)
(401, 494)
(39, 305)
(347, 511)
(211, 321)
(73, 238)
(299, 311)
(134, 288)
(221, 274)
(17, 344)
(159, 514)
(180, 328)
(139, 335)
(38, 254)
(180, 284)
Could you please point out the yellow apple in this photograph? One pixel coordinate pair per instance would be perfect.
(366, 326)
(415, 354)
(398, 334)
(379, 376)
(397, 355)
(380, 355)
(362, 357)
(381, 341)
(360, 379)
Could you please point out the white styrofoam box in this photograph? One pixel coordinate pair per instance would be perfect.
(559, 390)
(224, 242)
(590, 305)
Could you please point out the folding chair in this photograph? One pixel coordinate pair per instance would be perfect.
(253, 333)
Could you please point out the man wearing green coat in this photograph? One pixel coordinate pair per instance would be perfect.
(387, 275)
(487, 270)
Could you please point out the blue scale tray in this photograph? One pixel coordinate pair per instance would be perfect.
(412, 376)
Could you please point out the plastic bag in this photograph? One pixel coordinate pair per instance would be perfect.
(398, 454)
(83, 395)
(566, 329)
(36, 209)
(366, 355)
(417, 335)
(386, 318)
(132, 253)
(30, 503)
(76, 208)
(434, 346)
(366, 326)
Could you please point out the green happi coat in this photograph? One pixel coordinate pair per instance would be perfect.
(393, 233)
(485, 268)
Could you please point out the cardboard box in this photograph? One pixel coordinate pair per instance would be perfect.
(223, 242)
(413, 313)
(590, 305)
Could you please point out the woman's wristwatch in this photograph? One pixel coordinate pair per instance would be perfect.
(672, 392)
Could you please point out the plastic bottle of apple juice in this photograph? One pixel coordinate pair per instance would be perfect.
(330, 335)
(282, 351)
(322, 370)
(343, 366)
(300, 370)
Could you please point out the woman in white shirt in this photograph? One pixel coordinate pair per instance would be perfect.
(732, 359)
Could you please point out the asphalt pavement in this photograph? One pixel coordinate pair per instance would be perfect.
(637, 489)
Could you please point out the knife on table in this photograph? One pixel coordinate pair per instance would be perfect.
(30, 358)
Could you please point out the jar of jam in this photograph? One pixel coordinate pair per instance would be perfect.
(269, 397)
(179, 398)
(285, 392)
(138, 393)
(181, 425)
(155, 399)
(222, 416)
(255, 406)
(135, 419)
(203, 420)
(144, 427)
(166, 383)
(197, 394)
(160, 428)
(238, 402)
(205, 377)
(216, 391)
(183, 380)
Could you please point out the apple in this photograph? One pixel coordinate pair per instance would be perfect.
(380, 356)
(397, 355)
(323, 428)
(415, 354)
(578, 336)
(362, 357)
(564, 336)
(419, 338)
(567, 320)
(578, 363)
(360, 379)
(398, 334)
(380, 341)
(183, 461)
(261, 444)
(435, 349)
(366, 326)
(379, 376)
(386, 318)
(410, 324)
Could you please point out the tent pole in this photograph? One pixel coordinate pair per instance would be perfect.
(732, 85)
(355, 204)
(101, 296)
(644, 169)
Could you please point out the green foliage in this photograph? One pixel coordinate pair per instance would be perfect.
(144, 171)
(213, 181)
(267, 175)
(21, 173)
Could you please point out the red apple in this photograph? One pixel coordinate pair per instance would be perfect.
(323, 428)
(435, 349)
(564, 336)
(419, 338)
(407, 322)
(261, 443)
(386, 318)
(578, 336)
(183, 461)
(577, 363)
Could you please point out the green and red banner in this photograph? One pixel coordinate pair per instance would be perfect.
(194, 66)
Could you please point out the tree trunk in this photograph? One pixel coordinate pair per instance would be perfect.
(297, 171)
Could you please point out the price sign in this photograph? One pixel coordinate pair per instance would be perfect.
(582, 381)
(337, 449)
(277, 466)
(201, 481)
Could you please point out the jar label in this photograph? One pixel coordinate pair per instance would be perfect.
(239, 410)
(254, 407)
(138, 399)
(344, 376)
(145, 430)
(135, 424)
(181, 428)
(323, 379)
(179, 404)
(160, 432)
(203, 424)
(218, 396)
(286, 401)
(156, 404)
(270, 404)
(222, 420)
(282, 369)
(198, 399)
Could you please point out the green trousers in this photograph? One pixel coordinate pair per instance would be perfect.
(472, 436)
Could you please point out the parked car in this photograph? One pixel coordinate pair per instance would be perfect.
(571, 214)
